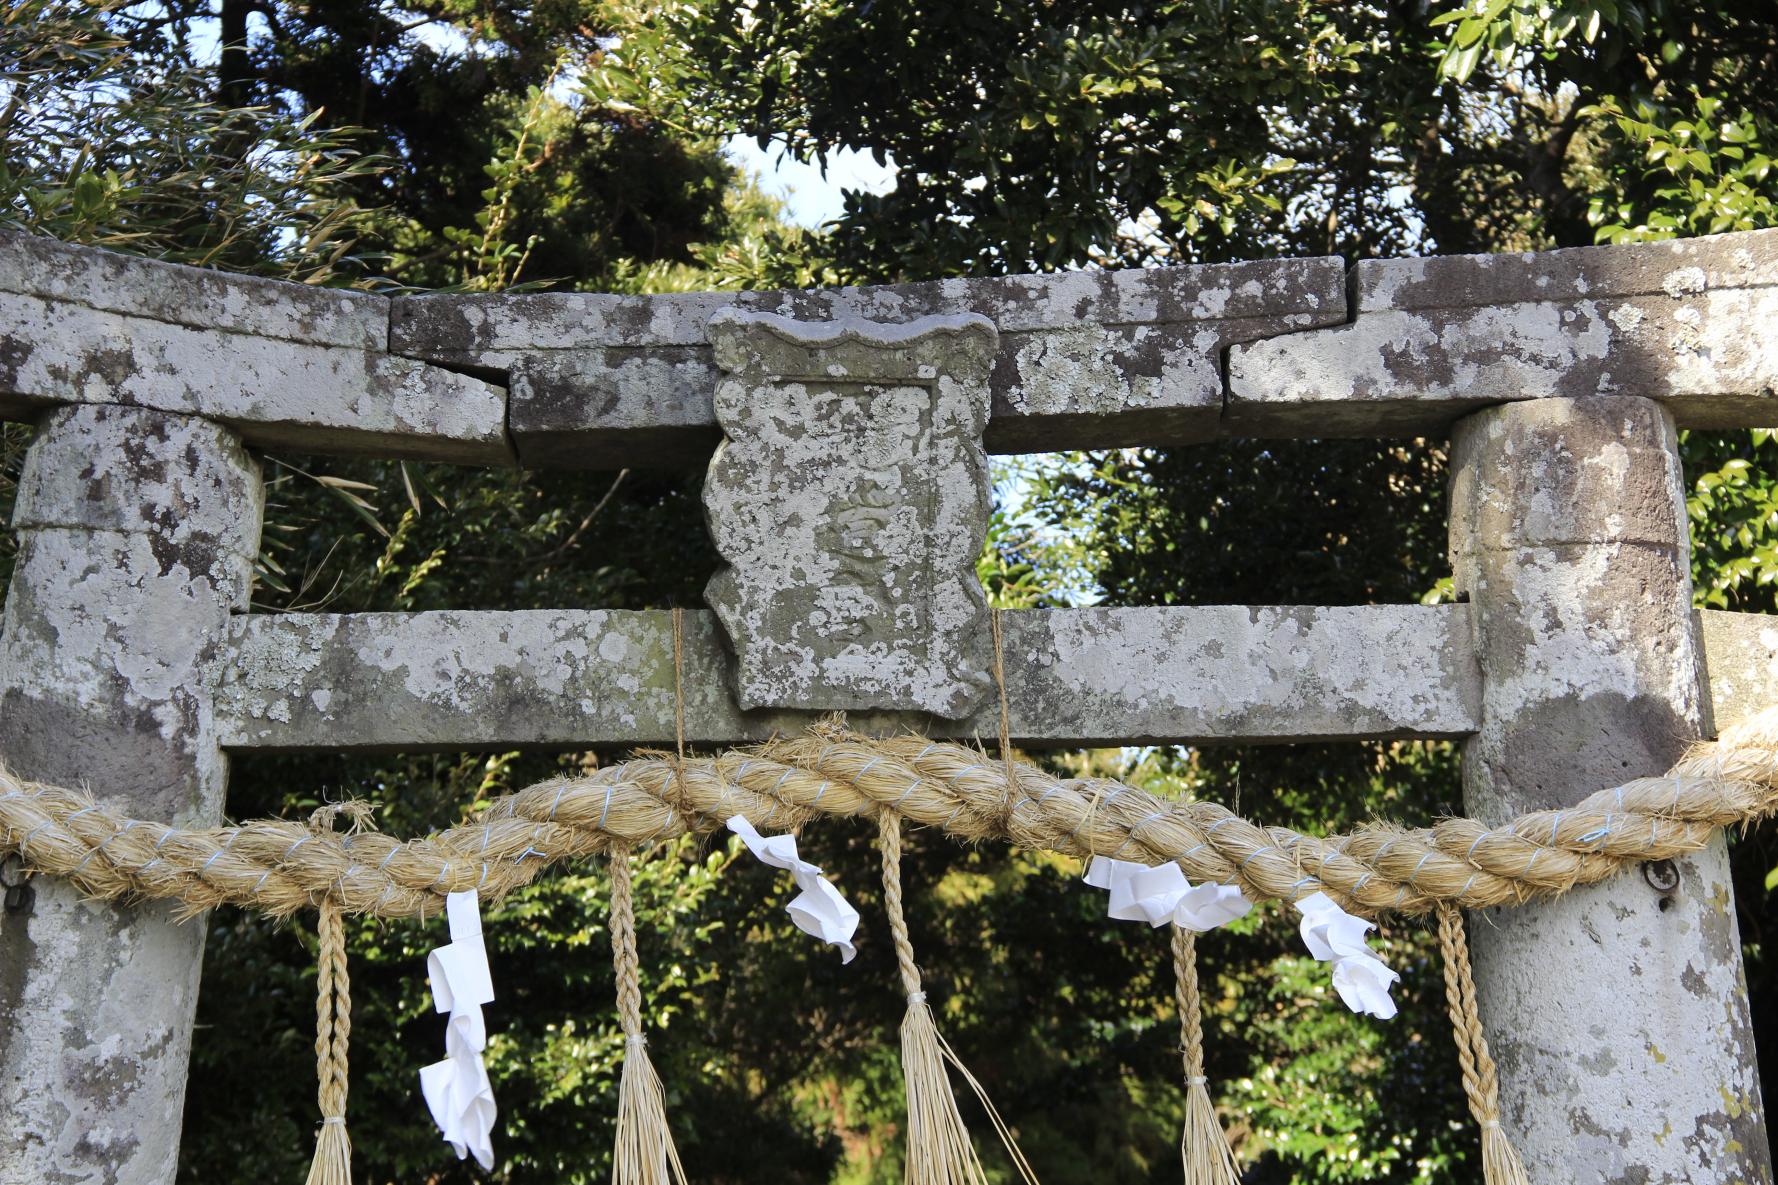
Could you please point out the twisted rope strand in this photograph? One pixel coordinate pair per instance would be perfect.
(1500, 1163)
(889, 843)
(644, 1153)
(624, 958)
(280, 867)
(332, 1164)
(1186, 995)
(1203, 1148)
(333, 1013)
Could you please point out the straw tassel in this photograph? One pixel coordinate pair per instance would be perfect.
(939, 1150)
(1500, 1163)
(645, 1154)
(1204, 1148)
(333, 1026)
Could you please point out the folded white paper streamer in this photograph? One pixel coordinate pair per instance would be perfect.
(1162, 894)
(457, 1089)
(1335, 936)
(819, 909)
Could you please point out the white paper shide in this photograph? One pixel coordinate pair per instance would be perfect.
(1335, 936)
(457, 1089)
(819, 909)
(1162, 894)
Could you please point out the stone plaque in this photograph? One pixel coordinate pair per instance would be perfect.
(849, 502)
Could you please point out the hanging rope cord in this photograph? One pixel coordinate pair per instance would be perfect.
(333, 1015)
(1187, 996)
(332, 1163)
(280, 866)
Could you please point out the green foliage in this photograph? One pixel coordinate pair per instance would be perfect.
(1733, 507)
(500, 174)
(485, 256)
(1041, 551)
(1706, 174)
(117, 141)
(1509, 32)
(1028, 137)
(1205, 525)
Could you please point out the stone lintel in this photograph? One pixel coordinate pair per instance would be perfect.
(1086, 359)
(561, 680)
(198, 297)
(275, 391)
(288, 366)
(1689, 323)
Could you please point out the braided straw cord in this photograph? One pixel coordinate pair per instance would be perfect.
(645, 1153)
(279, 867)
(624, 960)
(1500, 1163)
(333, 1028)
(939, 1150)
(889, 844)
(1203, 1147)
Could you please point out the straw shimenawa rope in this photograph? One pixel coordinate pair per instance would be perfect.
(279, 866)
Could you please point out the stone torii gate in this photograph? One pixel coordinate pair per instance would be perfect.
(849, 499)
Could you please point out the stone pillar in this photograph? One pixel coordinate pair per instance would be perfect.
(137, 531)
(1618, 1012)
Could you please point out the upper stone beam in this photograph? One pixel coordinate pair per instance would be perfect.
(287, 365)
(1691, 324)
(1086, 359)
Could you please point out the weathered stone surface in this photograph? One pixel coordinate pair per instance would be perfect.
(564, 680)
(849, 502)
(277, 393)
(1693, 324)
(137, 532)
(1091, 359)
(533, 678)
(287, 365)
(61, 273)
(1740, 663)
(1181, 675)
(1619, 1017)
(1087, 359)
